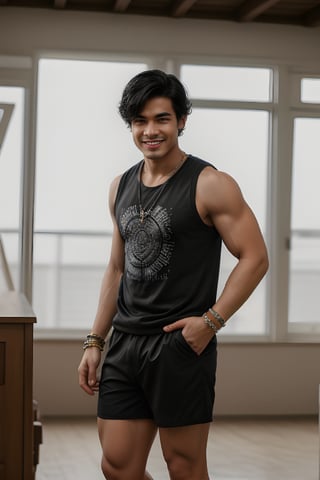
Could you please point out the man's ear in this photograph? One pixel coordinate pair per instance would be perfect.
(182, 123)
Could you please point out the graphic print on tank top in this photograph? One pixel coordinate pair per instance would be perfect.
(148, 245)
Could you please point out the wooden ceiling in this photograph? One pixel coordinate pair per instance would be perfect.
(292, 12)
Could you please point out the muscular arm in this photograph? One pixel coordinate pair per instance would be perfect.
(220, 203)
(107, 303)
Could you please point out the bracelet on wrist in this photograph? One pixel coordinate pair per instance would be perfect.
(210, 324)
(87, 344)
(94, 340)
(218, 317)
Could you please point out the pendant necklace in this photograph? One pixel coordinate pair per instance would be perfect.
(145, 211)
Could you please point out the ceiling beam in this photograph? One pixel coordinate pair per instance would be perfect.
(60, 4)
(251, 9)
(121, 5)
(181, 7)
(312, 17)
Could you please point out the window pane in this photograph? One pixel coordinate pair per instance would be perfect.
(82, 144)
(67, 277)
(237, 143)
(227, 83)
(11, 155)
(310, 90)
(305, 223)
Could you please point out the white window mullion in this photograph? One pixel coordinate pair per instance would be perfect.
(280, 208)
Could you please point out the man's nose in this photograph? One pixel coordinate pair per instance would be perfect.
(151, 129)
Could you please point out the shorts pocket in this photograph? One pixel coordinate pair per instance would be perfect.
(182, 343)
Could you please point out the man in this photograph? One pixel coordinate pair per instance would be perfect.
(170, 212)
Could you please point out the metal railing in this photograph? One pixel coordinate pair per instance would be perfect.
(56, 278)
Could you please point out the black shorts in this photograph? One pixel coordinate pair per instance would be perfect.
(157, 377)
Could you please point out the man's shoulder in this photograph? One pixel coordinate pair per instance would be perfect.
(200, 162)
(120, 181)
(130, 172)
(134, 168)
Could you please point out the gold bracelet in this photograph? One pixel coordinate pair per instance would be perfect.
(92, 343)
(96, 336)
(94, 340)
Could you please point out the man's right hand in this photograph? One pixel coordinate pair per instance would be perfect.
(88, 370)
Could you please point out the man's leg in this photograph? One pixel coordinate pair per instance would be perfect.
(125, 448)
(185, 451)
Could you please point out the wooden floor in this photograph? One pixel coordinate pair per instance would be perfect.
(239, 449)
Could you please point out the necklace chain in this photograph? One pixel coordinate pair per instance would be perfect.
(145, 211)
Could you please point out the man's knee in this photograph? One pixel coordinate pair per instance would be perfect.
(183, 468)
(115, 472)
(177, 467)
(109, 471)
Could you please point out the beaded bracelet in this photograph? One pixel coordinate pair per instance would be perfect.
(210, 324)
(94, 340)
(217, 317)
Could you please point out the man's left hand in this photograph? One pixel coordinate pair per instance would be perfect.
(195, 332)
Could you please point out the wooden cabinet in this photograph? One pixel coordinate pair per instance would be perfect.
(16, 406)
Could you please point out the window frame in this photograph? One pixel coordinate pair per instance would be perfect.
(266, 106)
(297, 331)
(283, 106)
(296, 78)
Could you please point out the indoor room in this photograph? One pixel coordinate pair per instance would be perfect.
(252, 72)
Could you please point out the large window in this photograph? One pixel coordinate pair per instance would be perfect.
(82, 143)
(260, 124)
(235, 138)
(304, 278)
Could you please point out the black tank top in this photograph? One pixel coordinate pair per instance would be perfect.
(172, 259)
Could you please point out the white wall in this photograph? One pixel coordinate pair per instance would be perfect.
(252, 378)
(24, 31)
(263, 379)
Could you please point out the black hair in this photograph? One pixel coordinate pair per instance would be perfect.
(150, 84)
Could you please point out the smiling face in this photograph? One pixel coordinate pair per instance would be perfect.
(155, 129)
